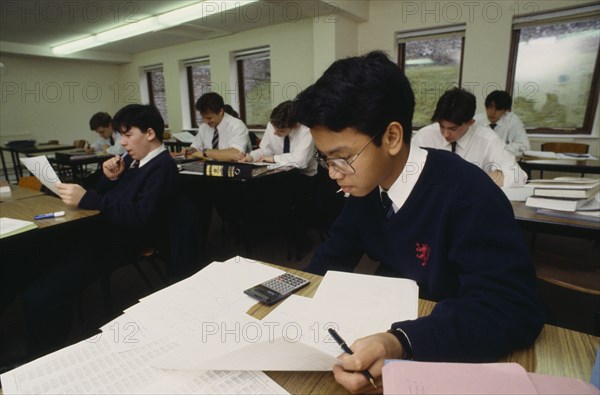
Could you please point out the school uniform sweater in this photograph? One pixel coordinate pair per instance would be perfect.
(456, 236)
(136, 205)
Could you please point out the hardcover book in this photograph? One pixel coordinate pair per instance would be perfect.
(213, 168)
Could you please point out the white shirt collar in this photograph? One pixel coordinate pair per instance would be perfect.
(152, 154)
(404, 184)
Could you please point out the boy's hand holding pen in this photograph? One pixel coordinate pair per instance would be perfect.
(114, 167)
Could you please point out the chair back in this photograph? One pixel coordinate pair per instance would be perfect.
(562, 147)
(30, 182)
(79, 144)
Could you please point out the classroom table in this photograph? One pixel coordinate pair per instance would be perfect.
(557, 351)
(32, 150)
(586, 166)
(529, 219)
(174, 145)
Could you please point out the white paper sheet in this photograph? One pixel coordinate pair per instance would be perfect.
(43, 170)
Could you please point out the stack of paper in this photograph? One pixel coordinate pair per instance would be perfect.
(407, 377)
(11, 226)
(557, 155)
(565, 194)
(195, 336)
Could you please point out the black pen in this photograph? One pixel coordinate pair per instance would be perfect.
(338, 339)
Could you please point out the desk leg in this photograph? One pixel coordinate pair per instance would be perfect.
(4, 166)
(16, 165)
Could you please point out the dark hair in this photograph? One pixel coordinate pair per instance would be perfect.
(229, 110)
(456, 105)
(366, 93)
(500, 99)
(140, 116)
(210, 101)
(283, 116)
(100, 119)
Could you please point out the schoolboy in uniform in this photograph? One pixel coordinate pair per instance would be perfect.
(424, 214)
(455, 130)
(286, 142)
(507, 125)
(108, 140)
(133, 197)
(221, 136)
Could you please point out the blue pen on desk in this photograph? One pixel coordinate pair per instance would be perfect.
(338, 339)
(50, 215)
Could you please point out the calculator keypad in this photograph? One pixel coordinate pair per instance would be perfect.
(285, 283)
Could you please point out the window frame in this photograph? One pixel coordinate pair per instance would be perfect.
(148, 73)
(435, 33)
(188, 64)
(239, 57)
(577, 14)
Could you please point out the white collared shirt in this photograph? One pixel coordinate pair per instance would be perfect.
(404, 184)
(302, 149)
(479, 145)
(510, 129)
(233, 133)
(151, 155)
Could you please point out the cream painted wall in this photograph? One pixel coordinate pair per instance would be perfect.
(291, 48)
(487, 39)
(48, 99)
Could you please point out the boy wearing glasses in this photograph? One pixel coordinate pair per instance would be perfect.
(423, 214)
(455, 130)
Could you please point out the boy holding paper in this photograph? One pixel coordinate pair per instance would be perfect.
(424, 214)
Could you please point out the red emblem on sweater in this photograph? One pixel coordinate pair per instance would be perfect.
(423, 251)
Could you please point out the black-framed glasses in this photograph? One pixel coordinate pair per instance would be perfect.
(342, 166)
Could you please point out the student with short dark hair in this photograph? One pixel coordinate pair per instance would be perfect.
(221, 136)
(423, 214)
(133, 197)
(507, 125)
(286, 142)
(108, 140)
(455, 130)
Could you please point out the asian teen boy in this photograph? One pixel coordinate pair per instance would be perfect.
(424, 214)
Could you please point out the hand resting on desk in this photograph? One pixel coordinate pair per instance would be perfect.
(369, 354)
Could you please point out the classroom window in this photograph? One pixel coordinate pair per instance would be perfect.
(156, 91)
(432, 62)
(198, 81)
(254, 87)
(553, 74)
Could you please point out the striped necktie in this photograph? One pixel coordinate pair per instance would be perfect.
(215, 139)
(286, 144)
(388, 208)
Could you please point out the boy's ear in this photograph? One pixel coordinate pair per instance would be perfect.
(150, 134)
(394, 138)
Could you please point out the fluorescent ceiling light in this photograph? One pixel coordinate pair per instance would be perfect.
(152, 24)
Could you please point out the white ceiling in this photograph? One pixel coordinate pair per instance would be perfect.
(33, 27)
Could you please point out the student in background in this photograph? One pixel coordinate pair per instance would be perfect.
(221, 136)
(424, 214)
(286, 142)
(506, 124)
(455, 130)
(133, 197)
(108, 141)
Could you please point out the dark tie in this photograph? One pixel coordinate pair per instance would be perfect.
(135, 164)
(493, 125)
(388, 209)
(112, 141)
(286, 144)
(453, 146)
(215, 140)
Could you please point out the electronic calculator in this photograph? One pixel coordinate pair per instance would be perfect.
(276, 289)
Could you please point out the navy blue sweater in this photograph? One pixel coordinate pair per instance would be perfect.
(456, 236)
(136, 204)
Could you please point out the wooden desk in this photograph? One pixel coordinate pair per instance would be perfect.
(529, 219)
(17, 193)
(557, 351)
(563, 165)
(37, 149)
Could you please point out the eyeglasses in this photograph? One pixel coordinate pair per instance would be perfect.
(342, 166)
